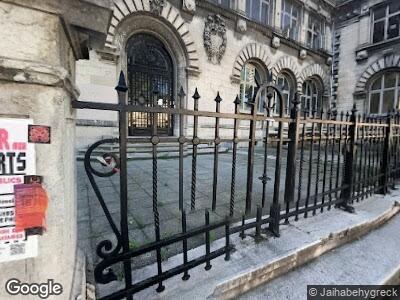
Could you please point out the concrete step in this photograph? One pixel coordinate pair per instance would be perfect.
(144, 151)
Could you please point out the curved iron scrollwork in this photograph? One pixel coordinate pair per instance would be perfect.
(105, 249)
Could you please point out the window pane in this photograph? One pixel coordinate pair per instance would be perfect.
(248, 94)
(393, 29)
(248, 8)
(295, 12)
(379, 31)
(374, 103)
(255, 10)
(390, 80)
(377, 84)
(293, 30)
(309, 38)
(379, 12)
(388, 101)
(394, 7)
(264, 13)
(225, 3)
(285, 22)
(316, 41)
(242, 93)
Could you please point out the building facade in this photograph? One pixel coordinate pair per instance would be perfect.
(367, 55)
(228, 47)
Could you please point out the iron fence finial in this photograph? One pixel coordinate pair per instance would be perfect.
(121, 87)
(218, 99)
(196, 95)
(181, 93)
(237, 100)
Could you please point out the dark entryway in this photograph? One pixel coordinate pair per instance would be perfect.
(150, 76)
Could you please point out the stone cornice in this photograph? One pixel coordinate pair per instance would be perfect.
(29, 72)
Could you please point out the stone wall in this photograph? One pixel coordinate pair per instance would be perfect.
(37, 71)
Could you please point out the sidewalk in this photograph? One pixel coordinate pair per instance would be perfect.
(367, 261)
(254, 263)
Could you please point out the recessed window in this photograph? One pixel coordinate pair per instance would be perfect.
(250, 80)
(259, 11)
(311, 99)
(315, 32)
(386, 22)
(384, 93)
(290, 19)
(285, 83)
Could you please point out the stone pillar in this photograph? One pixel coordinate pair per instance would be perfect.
(40, 43)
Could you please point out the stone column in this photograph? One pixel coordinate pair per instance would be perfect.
(40, 43)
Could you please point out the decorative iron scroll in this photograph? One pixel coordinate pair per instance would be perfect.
(110, 162)
(215, 38)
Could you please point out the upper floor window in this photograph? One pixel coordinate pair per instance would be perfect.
(386, 22)
(384, 93)
(259, 10)
(224, 3)
(311, 99)
(315, 32)
(250, 80)
(290, 19)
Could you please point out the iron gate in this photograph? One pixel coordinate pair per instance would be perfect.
(331, 160)
(149, 70)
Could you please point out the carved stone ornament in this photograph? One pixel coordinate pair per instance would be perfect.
(156, 6)
(361, 55)
(276, 42)
(303, 54)
(214, 38)
(241, 25)
(189, 6)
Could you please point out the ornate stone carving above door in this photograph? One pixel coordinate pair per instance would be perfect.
(215, 38)
(156, 6)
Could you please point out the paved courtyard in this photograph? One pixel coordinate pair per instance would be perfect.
(94, 227)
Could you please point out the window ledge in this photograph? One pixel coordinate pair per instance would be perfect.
(377, 46)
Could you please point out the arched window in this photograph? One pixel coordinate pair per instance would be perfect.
(286, 85)
(251, 78)
(150, 68)
(311, 99)
(384, 93)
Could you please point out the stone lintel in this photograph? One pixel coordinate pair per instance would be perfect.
(40, 74)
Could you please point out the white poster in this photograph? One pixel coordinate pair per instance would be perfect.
(17, 159)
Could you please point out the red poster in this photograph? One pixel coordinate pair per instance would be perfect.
(30, 206)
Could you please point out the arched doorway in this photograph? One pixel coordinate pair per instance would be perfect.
(150, 69)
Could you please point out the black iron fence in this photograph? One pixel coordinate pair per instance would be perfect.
(322, 160)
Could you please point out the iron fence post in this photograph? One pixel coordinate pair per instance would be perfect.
(293, 135)
(122, 90)
(346, 193)
(384, 172)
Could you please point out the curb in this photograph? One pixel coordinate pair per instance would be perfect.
(245, 282)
